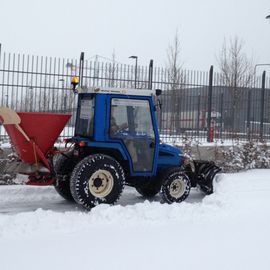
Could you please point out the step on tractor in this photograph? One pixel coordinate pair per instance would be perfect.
(116, 143)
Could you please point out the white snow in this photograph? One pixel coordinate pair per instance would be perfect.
(226, 230)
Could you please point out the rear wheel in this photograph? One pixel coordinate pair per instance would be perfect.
(176, 186)
(97, 179)
(63, 167)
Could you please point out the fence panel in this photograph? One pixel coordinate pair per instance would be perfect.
(37, 83)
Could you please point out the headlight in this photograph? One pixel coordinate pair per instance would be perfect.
(187, 160)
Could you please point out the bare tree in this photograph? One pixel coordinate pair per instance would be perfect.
(236, 67)
(176, 80)
(237, 71)
(112, 70)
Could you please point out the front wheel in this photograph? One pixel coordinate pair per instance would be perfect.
(97, 179)
(176, 186)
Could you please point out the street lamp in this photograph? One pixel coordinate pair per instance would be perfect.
(257, 65)
(136, 66)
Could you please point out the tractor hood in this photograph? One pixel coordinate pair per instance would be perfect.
(170, 149)
(169, 156)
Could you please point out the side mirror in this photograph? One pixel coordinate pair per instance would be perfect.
(158, 92)
(158, 105)
(74, 82)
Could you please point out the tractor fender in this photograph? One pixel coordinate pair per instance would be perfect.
(108, 146)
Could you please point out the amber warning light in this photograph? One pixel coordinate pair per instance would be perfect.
(75, 81)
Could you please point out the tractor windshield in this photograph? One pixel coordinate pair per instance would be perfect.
(85, 117)
(131, 116)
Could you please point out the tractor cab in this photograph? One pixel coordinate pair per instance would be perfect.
(123, 122)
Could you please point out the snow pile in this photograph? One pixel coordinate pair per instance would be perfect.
(55, 220)
(226, 230)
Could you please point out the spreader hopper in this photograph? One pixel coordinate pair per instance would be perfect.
(33, 134)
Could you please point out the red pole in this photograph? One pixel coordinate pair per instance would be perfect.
(212, 131)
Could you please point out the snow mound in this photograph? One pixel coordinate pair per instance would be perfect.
(226, 230)
(54, 215)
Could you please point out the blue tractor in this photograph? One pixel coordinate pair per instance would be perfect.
(117, 143)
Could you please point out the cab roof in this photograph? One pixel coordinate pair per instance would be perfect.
(120, 91)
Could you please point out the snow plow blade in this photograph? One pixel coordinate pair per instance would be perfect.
(203, 174)
(206, 171)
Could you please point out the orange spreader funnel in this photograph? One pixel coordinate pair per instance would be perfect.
(41, 128)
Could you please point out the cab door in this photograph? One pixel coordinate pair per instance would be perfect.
(131, 121)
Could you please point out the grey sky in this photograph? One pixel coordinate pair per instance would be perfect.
(135, 27)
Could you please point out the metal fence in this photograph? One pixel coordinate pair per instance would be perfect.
(196, 105)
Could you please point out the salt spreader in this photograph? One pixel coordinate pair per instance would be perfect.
(33, 136)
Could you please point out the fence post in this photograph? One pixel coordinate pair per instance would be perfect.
(262, 105)
(221, 115)
(248, 114)
(198, 115)
(150, 74)
(81, 68)
(0, 73)
(0, 53)
(210, 92)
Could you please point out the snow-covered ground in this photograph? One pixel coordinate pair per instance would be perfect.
(229, 229)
